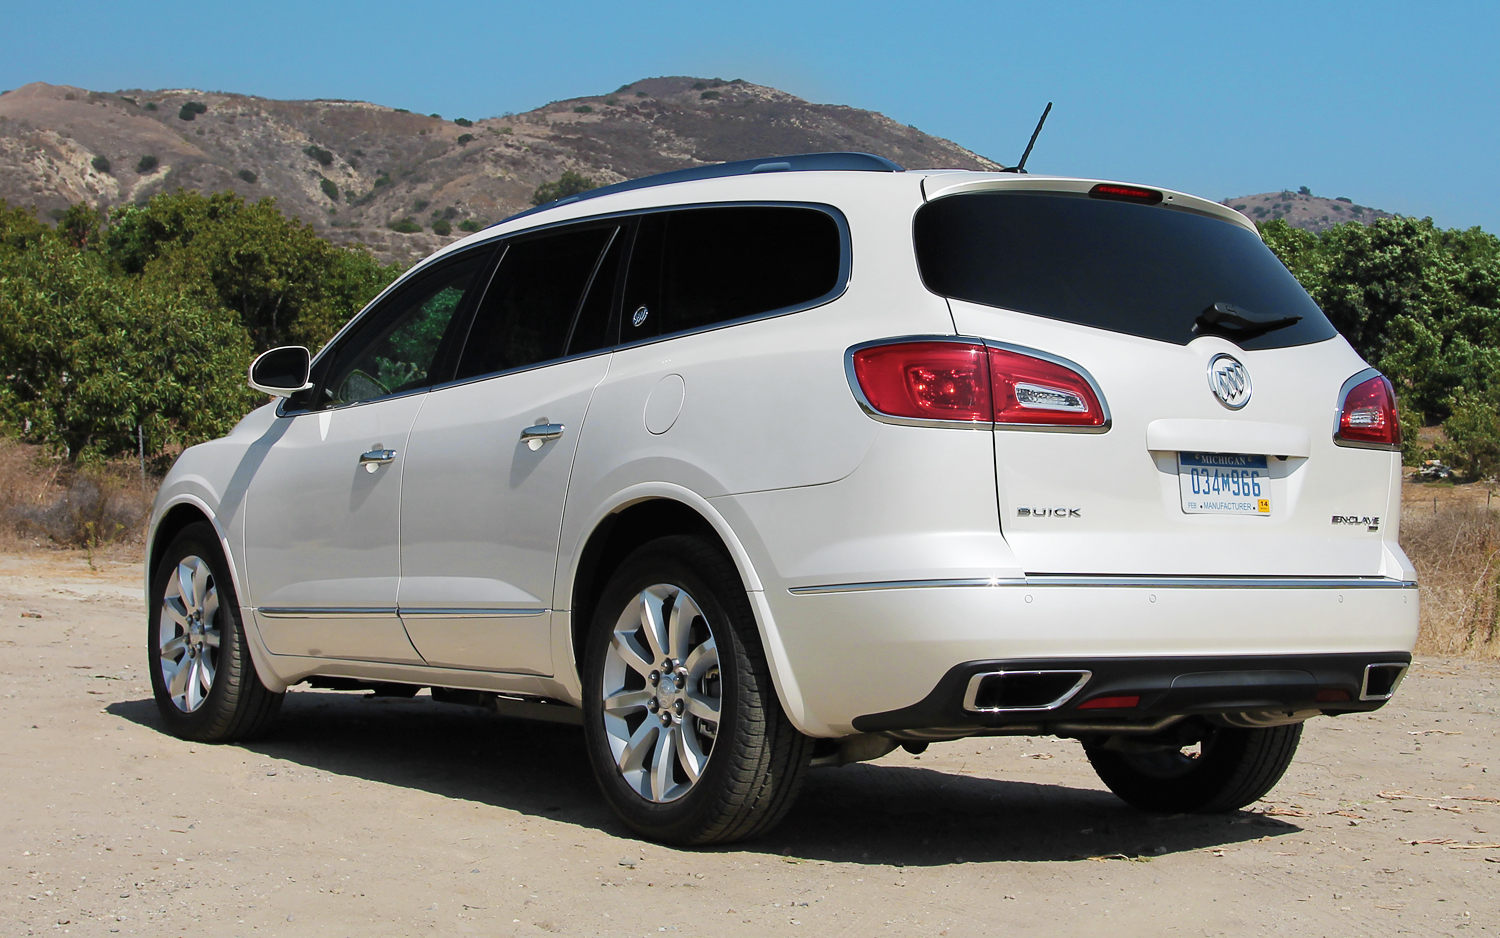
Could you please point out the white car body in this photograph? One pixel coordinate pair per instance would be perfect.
(878, 556)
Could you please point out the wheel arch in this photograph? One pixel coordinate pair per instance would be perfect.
(640, 517)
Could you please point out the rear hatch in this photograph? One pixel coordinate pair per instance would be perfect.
(1146, 292)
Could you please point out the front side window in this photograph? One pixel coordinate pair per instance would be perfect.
(395, 347)
(694, 268)
(528, 311)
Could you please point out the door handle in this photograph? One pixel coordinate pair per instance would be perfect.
(375, 458)
(535, 436)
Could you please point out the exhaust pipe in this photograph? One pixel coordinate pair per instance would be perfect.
(1011, 691)
(1381, 680)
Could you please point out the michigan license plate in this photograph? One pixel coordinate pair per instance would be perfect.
(1224, 484)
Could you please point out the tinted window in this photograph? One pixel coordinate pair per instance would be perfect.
(1143, 270)
(528, 310)
(594, 329)
(395, 346)
(697, 267)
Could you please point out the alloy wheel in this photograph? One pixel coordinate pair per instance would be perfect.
(188, 634)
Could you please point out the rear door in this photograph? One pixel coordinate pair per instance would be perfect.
(491, 455)
(1127, 292)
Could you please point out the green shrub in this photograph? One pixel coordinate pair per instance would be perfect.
(583, 109)
(407, 225)
(612, 101)
(100, 164)
(438, 116)
(699, 86)
(449, 213)
(463, 122)
(469, 224)
(568, 184)
(642, 94)
(402, 110)
(420, 204)
(442, 227)
(248, 176)
(1342, 199)
(384, 179)
(191, 110)
(1473, 431)
(506, 129)
(465, 139)
(79, 226)
(150, 105)
(328, 187)
(322, 156)
(709, 96)
(146, 164)
(1303, 190)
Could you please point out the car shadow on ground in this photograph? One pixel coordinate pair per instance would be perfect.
(877, 814)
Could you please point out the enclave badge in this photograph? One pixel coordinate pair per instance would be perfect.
(1229, 380)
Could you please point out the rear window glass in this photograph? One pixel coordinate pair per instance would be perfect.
(694, 268)
(1143, 270)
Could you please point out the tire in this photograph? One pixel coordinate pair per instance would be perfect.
(206, 686)
(1234, 768)
(669, 771)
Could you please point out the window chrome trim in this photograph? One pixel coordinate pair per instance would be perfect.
(872, 413)
(1116, 582)
(1338, 414)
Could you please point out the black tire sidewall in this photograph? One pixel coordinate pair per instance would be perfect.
(666, 562)
(1235, 769)
(199, 540)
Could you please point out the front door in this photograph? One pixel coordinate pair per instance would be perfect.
(490, 458)
(322, 526)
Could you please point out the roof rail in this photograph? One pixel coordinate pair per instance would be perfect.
(800, 163)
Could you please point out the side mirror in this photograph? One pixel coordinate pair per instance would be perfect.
(282, 371)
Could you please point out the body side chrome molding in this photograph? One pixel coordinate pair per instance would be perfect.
(443, 613)
(364, 612)
(1117, 582)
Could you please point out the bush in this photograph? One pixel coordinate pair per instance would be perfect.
(434, 114)
(469, 224)
(642, 94)
(420, 204)
(463, 122)
(150, 105)
(709, 96)
(1303, 190)
(79, 226)
(146, 164)
(1473, 431)
(1457, 556)
(699, 86)
(583, 109)
(384, 179)
(612, 101)
(191, 110)
(569, 184)
(248, 176)
(442, 227)
(328, 187)
(465, 139)
(93, 508)
(407, 225)
(323, 157)
(100, 164)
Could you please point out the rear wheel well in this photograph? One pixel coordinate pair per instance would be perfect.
(614, 539)
(177, 517)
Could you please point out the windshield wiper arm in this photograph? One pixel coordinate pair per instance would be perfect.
(1236, 323)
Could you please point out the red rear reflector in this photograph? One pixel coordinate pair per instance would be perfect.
(1110, 190)
(926, 380)
(1369, 415)
(1331, 695)
(1035, 391)
(1110, 703)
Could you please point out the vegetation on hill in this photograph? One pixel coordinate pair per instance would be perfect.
(135, 331)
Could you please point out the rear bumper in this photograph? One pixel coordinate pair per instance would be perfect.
(1074, 695)
(858, 654)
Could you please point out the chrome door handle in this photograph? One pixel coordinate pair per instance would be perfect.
(535, 436)
(376, 457)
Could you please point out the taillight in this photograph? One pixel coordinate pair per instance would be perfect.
(1032, 390)
(926, 380)
(1367, 414)
(957, 381)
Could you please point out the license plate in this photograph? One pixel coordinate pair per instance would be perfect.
(1224, 484)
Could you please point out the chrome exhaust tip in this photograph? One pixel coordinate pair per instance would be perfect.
(1020, 691)
(1381, 680)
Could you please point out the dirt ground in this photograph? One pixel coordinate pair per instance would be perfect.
(365, 817)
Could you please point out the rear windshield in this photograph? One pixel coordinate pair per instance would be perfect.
(1143, 270)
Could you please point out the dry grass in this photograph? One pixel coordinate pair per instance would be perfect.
(46, 502)
(1456, 551)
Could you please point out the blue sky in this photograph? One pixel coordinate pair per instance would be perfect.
(1396, 106)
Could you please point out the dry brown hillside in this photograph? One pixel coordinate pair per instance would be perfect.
(1304, 210)
(353, 169)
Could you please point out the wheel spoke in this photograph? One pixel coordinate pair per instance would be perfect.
(680, 625)
(690, 751)
(652, 624)
(633, 755)
(211, 638)
(661, 767)
(205, 675)
(177, 681)
(702, 658)
(185, 585)
(210, 606)
(200, 583)
(171, 610)
(630, 652)
(173, 647)
(704, 708)
(623, 701)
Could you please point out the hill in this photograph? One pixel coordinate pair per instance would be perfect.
(1302, 209)
(354, 169)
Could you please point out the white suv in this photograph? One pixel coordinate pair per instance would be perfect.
(769, 464)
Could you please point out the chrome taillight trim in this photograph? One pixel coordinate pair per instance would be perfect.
(1338, 414)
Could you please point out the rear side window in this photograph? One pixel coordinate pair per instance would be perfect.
(1144, 270)
(527, 313)
(693, 268)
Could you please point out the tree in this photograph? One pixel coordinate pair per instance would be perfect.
(569, 184)
(79, 226)
(89, 357)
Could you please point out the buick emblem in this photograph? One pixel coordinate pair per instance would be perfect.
(639, 316)
(1229, 380)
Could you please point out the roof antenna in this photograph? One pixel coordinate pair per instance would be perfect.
(1021, 166)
